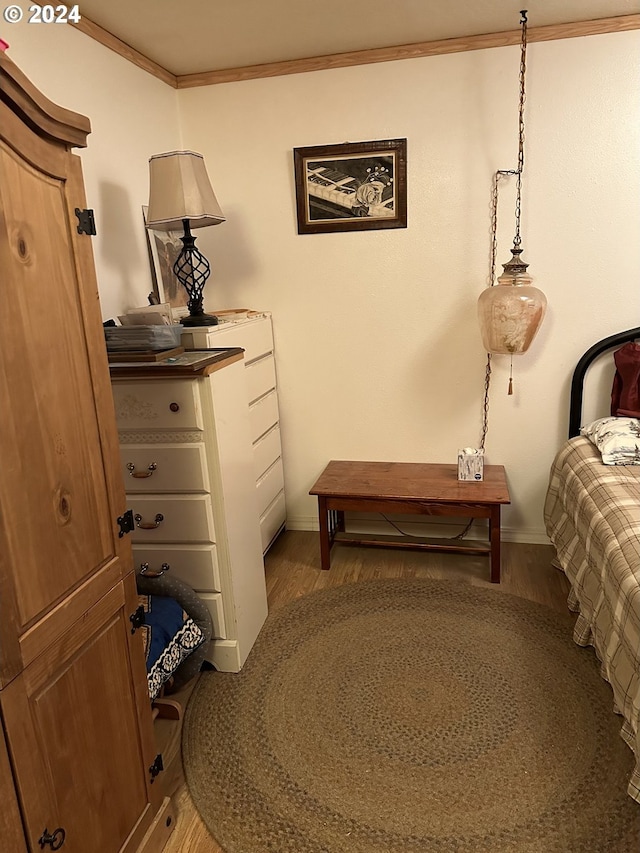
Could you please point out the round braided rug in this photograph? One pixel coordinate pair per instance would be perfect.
(401, 716)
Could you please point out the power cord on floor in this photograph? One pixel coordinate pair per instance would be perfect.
(459, 535)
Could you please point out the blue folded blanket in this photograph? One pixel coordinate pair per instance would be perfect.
(170, 636)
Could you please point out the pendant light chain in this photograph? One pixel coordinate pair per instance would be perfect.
(494, 219)
(523, 68)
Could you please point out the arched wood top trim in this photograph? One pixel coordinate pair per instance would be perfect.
(43, 116)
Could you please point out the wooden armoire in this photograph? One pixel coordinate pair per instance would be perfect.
(78, 768)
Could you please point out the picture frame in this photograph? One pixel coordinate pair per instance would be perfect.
(163, 248)
(354, 186)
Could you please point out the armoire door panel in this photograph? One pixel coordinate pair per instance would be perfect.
(53, 494)
(76, 761)
(10, 822)
(39, 638)
(74, 705)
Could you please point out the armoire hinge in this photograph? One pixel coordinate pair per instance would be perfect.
(126, 523)
(156, 767)
(86, 221)
(137, 619)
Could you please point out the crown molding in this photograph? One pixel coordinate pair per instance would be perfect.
(99, 34)
(600, 26)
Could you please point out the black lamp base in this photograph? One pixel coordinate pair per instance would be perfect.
(199, 320)
(192, 271)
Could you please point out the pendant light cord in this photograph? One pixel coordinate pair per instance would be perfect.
(494, 217)
(492, 277)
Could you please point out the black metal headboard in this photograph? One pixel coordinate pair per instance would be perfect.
(575, 403)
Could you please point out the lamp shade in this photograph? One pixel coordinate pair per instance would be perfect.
(179, 189)
(510, 313)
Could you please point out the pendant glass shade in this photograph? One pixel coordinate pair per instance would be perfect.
(510, 313)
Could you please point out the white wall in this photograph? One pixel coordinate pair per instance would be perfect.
(133, 115)
(379, 356)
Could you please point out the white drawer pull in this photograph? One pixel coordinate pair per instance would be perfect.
(139, 475)
(144, 570)
(148, 525)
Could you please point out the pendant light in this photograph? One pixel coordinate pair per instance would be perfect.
(510, 313)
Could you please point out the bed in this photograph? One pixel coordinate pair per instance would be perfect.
(592, 516)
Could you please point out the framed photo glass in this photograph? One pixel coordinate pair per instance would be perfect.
(351, 187)
(164, 248)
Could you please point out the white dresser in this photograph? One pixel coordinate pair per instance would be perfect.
(255, 336)
(187, 462)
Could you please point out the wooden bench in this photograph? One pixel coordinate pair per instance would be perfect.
(409, 487)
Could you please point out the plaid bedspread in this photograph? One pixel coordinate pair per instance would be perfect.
(592, 516)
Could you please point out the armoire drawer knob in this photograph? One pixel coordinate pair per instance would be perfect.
(175, 407)
(148, 525)
(55, 839)
(141, 475)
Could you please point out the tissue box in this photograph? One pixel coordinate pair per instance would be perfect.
(470, 464)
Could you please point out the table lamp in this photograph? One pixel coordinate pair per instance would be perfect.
(181, 198)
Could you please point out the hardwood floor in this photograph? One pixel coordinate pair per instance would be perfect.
(293, 569)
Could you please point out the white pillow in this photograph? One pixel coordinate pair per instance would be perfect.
(617, 439)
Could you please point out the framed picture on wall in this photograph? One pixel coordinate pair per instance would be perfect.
(164, 248)
(356, 186)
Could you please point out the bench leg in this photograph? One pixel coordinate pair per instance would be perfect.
(325, 536)
(494, 539)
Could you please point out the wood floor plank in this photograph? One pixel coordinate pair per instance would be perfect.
(292, 569)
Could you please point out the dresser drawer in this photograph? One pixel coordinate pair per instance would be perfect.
(164, 468)
(266, 450)
(213, 602)
(263, 414)
(272, 520)
(163, 404)
(261, 377)
(254, 336)
(269, 485)
(185, 518)
(196, 565)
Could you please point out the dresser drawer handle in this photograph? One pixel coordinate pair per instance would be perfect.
(148, 525)
(141, 475)
(144, 570)
(175, 407)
